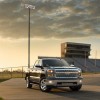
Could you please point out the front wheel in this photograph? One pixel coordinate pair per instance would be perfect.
(76, 88)
(43, 86)
(28, 84)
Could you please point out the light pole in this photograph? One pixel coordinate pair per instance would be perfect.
(85, 62)
(95, 58)
(29, 7)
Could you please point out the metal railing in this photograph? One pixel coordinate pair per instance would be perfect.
(12, 72)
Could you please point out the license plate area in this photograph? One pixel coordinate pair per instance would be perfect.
(66, 83)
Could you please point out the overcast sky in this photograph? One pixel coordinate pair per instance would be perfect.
(52, 22)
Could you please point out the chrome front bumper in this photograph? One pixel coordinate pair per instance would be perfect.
(63, 83)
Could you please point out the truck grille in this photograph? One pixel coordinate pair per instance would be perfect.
(66, 74)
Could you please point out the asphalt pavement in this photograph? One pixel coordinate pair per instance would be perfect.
(15, 89)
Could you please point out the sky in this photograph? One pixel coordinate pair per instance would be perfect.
(52, 23)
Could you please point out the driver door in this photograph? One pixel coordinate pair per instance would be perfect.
(36, 72)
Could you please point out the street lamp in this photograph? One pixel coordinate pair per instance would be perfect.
(85, 61)
(95, 58)
(29, 7)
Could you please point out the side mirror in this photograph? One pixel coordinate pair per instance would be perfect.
(72, 65)
(38, 66)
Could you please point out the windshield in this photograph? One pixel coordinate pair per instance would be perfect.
(54, 62)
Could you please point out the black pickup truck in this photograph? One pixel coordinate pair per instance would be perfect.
(53, 72)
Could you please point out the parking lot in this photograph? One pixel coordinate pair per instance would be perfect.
(15, 89)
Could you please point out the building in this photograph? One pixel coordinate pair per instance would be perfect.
(75, 50)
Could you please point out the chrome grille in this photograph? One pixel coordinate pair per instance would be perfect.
(66, 73)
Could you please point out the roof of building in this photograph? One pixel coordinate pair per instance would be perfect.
(77, 43)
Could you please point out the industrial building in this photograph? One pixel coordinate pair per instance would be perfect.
(75, 50)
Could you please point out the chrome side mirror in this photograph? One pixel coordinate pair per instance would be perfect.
(72, 65)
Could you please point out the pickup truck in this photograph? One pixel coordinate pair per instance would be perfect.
(52, 72)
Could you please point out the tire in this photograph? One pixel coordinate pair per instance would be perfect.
(43, 86)
(28, 84)
(76, 88)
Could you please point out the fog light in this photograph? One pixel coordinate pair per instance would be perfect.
(80, 81)
(50, 82)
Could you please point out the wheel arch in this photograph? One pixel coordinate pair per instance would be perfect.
(27, 75)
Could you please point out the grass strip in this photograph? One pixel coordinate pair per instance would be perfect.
(1, 98)
(2, 80)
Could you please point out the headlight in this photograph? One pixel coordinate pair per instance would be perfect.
(79, 73)
(50, 73)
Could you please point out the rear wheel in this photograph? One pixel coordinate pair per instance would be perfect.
(43, 86)
(28, 84)
(76, 88)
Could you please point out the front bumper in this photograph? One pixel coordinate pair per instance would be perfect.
(64, 82)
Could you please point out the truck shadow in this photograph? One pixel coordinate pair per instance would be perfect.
(77, 95)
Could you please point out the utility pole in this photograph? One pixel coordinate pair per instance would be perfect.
(85, 62)
(95, 58)
(29, 7)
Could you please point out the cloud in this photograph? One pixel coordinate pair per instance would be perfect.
(51, 18)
